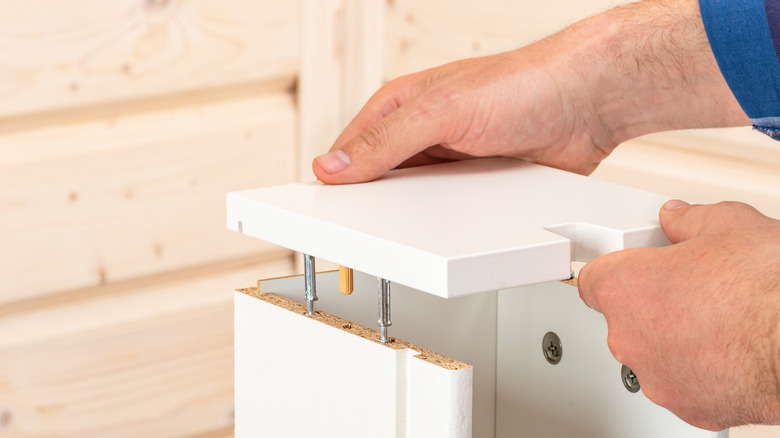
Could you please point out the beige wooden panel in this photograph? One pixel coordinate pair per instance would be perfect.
(149, 360)
(94, 202)
(341, 66)
(320, 86)
(426, 33)
(694, 176)
(222, 433)
(756, 432)
(57, 54)
(740, 144)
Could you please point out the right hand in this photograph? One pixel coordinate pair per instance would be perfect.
(516, 104)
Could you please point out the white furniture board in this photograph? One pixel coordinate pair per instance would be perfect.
(516, 393)
(583, 394)
(297, 376)
(454, 229)
(462, 328)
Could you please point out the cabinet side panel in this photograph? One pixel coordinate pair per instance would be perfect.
(583, 394)
(461, 328)
(299, 376)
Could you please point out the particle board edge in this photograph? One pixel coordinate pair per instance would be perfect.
(355, 329)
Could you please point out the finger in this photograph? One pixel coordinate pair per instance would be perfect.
(589, 279)
(681, 221)
(602, 282)
(408, 130)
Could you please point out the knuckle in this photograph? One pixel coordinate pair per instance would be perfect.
(728, 214)
(734, 207)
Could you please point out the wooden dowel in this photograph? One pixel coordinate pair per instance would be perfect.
(346, 285)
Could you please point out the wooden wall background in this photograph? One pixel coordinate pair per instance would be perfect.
(122, 125)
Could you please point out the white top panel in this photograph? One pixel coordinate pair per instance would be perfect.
(457, 228)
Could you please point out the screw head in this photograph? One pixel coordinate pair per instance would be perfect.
(629, 379)
(552, 348)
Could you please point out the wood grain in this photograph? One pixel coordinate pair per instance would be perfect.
(423, 34)
(755, 432)
(87, 51)
(693, 176)
(152, 361)
(364, 54)
(319, 89)
(342, 64)
(346, 283)
(135, 195)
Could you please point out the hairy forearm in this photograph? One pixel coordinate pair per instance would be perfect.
(648, 67)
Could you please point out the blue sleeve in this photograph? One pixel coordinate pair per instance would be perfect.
(745, 37)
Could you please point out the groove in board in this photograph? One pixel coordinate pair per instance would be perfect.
(154, 362)
(46, 123)
(86, 51)
(122, 287)
(146, 193)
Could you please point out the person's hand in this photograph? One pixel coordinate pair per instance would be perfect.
(698, 321)
(516, 104)
(565, 101)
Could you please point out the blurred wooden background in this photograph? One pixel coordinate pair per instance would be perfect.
(123, 124)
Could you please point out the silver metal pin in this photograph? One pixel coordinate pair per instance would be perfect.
(311, 282)
(384, 309)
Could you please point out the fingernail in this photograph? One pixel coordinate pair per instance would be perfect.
(674, 204)
(333, 162)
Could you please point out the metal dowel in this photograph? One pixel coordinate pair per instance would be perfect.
(384, 309)
(311, 282)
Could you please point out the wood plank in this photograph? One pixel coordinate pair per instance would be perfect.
(693, 176)
(737, 144)
(364, 53)
(755, 432)
(422, 33)
(320, 88)
(342, 64)
(135, 195)
(86, 51)
(153, 361)
(221, 433)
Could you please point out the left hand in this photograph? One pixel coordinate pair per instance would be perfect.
(699, 321)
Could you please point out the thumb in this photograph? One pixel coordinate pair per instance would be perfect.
(681, 221)
(381, 147)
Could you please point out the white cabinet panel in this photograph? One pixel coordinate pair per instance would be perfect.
(455, 229)
(301, 377)
(582, 395)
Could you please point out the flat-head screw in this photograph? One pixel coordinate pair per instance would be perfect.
(629, 379)
(552, 348)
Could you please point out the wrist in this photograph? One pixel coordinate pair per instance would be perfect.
(648, 67)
